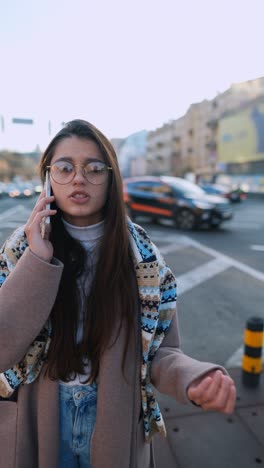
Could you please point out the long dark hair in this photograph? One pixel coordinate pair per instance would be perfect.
(113, 297)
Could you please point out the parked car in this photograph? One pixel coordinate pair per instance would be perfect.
(20, 190)
(174, 198)
(234, 194)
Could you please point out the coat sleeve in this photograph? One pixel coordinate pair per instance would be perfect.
(26, 299)
(172, 371)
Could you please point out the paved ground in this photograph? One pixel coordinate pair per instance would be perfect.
(199, 439)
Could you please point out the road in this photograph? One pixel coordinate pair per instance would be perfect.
(220, 276)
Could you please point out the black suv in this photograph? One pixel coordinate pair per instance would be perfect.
(174, 198)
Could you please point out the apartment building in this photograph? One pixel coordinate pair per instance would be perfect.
(159, 150)
(190, 142)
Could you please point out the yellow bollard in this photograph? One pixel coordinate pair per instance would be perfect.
(252, 361)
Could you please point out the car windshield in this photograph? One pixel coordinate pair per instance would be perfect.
(188, 189)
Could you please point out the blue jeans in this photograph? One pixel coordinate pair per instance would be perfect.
(77, 419)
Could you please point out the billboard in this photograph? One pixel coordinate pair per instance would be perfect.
(241, 135)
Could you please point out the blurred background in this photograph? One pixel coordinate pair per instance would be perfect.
(177, 86)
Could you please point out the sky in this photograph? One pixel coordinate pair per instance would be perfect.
(124, 65)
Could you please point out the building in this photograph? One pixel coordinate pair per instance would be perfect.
(159, 150)
(131, 153)
(190, 143)
(240, 144)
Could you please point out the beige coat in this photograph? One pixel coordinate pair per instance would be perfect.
(29, 427)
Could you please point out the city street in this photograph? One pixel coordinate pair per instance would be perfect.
(220, 275)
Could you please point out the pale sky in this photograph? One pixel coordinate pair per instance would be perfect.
(124, 65)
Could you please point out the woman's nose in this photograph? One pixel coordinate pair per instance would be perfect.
(79, 174)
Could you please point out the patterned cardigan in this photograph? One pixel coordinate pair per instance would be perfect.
(157, 292)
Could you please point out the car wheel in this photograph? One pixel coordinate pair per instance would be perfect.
(185, 219)
(215, 225)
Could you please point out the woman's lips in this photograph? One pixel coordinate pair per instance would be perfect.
(79, 199)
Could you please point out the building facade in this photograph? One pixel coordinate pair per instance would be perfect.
(191, 143)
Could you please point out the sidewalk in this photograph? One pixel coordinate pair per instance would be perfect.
(199, 439)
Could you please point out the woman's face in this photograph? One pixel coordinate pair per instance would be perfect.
(80, 201)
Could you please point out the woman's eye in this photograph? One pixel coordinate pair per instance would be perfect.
(94, 168)
(66, 168)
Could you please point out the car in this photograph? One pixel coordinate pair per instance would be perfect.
(234, 194)
(20, 190)
(174, 198)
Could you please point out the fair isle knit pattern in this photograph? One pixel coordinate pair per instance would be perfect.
(157, 292)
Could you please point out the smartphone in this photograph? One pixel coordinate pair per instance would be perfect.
(46, 226)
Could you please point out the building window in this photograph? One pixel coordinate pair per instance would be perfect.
(211, 145)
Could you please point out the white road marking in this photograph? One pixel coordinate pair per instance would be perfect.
(178, 239)
(186, 241)
(200, 274)
(230, 260)
(235, 360)
(13, 217)
(171, 248)
(253, 226)
(16, 210)
(259, 248)
(10, 224)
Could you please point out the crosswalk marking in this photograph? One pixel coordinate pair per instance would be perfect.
(171, 248)
(10, 212)
(10, 224)
(185, 241)
(242, 225)
(200, 274)
(235, 360)
(14, 217)
(235, 263)
(17, 211)
(259, 248)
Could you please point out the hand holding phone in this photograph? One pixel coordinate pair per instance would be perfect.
(46, 226)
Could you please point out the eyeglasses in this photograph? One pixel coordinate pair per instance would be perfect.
(63, 172)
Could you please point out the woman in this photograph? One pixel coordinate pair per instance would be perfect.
(88, 324)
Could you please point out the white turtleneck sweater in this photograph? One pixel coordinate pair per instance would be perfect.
(89, 237)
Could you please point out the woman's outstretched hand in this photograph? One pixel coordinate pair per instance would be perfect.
(214, 391)
(41, 247)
